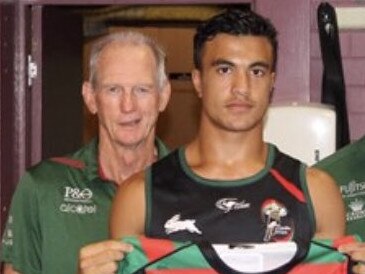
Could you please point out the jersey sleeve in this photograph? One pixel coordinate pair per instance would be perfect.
(21, 243)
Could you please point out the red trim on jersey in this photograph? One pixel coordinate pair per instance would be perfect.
(101, 173)
(156, 248)
(182, 271)
(289, 186)
(344, 240)
(328, 268)
(69, 162)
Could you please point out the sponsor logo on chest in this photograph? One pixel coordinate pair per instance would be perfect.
(356, 210)
(354, 193)
(77, 201)
(8, 234)
(229, 204)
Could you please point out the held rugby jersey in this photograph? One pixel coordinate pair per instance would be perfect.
(161, 256)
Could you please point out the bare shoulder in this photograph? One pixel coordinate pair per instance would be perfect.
(319, 178)
(133, 184)
(128, 208)
(327, 202)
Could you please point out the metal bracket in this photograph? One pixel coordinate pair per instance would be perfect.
(32, 70)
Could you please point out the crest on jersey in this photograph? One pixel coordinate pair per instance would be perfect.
(279, 227)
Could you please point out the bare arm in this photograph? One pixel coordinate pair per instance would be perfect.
(128, 209)
(328, 205)
(8, 269)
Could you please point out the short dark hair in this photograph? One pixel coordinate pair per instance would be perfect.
(234, 22)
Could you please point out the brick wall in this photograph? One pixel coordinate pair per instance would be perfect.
(352, 43)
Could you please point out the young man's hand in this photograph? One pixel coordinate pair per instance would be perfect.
(102, 257)
(357, 253)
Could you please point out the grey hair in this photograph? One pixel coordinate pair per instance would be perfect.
(134, 38)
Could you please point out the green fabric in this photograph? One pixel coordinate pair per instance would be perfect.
(347, 167)
(56, 209)
(190, 257)
(322, 255)
(187, 256)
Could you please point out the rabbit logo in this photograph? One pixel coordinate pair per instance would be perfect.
(175, 224)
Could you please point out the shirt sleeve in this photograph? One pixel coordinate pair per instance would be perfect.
(22, 239)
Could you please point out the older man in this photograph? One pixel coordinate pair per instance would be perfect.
(63, 203)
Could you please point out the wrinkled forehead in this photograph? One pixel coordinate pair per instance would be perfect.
(126, 60)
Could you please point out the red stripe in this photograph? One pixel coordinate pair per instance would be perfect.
(289, 186)
(69, 162)
(330, 268)
(333, 268)
(156, 248)
(182, 271)
(344, 240)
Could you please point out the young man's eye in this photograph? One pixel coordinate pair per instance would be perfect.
(224, 70)
(258, 72)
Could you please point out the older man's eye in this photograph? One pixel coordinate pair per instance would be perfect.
(113, 89)
(142, 89)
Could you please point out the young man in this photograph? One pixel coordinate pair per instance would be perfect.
(228, 185)
(63, 203)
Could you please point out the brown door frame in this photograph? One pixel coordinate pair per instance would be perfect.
(13, 111)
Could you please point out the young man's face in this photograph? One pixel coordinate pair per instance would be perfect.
(235, 81)
(126, 96)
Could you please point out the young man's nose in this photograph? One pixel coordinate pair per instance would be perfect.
(240, 84)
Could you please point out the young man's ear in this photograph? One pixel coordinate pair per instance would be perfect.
(165, 95)
(197, 82)
(272, 88)
(273, 78)
(88, 94)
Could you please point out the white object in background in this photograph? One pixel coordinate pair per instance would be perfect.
(350, 17)
(306, 131)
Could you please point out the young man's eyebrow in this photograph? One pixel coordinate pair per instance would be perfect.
(260, 64)
(221, 61)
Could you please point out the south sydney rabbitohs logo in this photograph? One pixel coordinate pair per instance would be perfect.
(77, 201)
(229, 204)
(278, 225)
(175, 224)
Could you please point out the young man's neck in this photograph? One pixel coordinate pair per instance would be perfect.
(119, 162)
(229, 143)
(224, 155)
